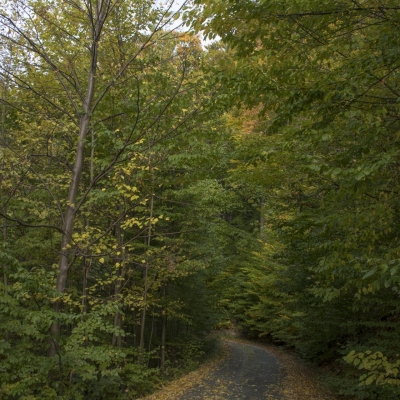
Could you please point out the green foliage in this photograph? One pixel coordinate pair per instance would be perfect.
(139, 261)
(255, 183)
(319, 142)
(379, 369)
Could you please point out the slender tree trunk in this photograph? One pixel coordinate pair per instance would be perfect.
(85, 271)
(92, 158)
(134, 328)
(163, 332)
(143, 316)
(87, 264)
(146, 269)
(70, 214)
(150, 338)
(3, 137)
(117, 339)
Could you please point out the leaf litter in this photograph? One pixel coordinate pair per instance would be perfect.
(297, 381)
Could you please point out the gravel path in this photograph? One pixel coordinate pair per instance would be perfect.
(249, 373)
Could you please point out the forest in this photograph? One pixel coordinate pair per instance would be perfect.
(171, 169)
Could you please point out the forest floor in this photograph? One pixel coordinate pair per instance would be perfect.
(247, 371)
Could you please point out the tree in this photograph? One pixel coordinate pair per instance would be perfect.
(79, 32)
(98, 94)
(324, 77)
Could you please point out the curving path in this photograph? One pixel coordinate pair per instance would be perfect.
(249, 373)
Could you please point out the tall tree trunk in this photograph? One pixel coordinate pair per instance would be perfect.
(3, 138)
(151, 337)
(117, 339)
(135, 335)
(70, 214)
(143, 316)
(163, 331)
(84, 285)
(87, 261)
(86, 266)
(146, 268)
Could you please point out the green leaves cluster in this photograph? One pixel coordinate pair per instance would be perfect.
(380, 370)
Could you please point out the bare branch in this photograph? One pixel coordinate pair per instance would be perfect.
(22, 223)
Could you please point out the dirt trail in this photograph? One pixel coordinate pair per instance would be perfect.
(249, 373)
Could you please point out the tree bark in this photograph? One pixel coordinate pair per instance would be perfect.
(146, 269)
(3, 137)
(70, 214)
(163, 332)
(117, 339)
(143, 316)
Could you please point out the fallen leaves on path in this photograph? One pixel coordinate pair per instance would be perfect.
(299, 381)
(179, 387)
